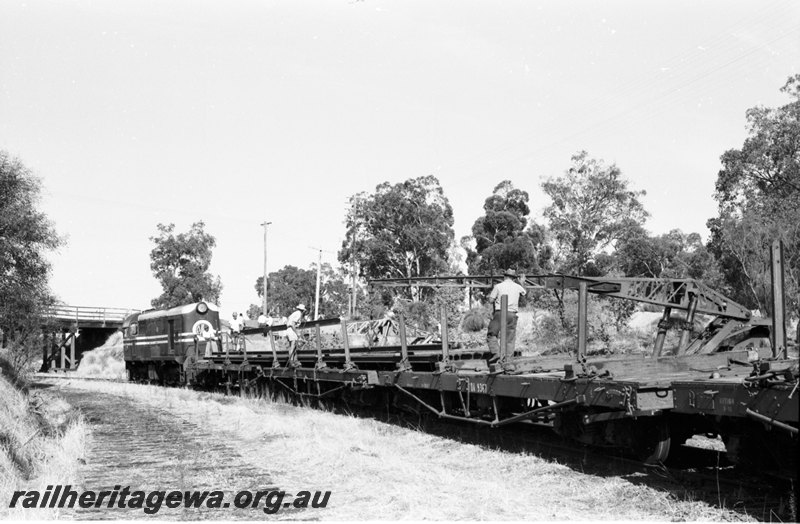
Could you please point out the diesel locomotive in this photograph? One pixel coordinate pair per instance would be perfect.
(161, 344)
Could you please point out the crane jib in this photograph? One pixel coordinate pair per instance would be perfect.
(666, 292)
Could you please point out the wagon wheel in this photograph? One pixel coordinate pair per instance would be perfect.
(651, 441)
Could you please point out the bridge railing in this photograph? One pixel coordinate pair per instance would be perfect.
(89, 314)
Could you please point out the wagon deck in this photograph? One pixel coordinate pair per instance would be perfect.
(634, 386)
(712, 382)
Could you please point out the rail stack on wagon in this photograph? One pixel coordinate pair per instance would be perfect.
(717, 381)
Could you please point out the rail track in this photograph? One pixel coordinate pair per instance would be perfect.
(733, 378)
(70, 375)
(145, 447)
(691, 473)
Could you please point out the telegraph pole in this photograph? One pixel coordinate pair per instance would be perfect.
(316, 300)
(353, 297)
(319, 278)
(265, 224)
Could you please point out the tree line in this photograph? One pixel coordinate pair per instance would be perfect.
(593, 226)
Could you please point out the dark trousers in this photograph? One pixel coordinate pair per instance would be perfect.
(493, 333)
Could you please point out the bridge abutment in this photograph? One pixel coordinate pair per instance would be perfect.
(73, 330)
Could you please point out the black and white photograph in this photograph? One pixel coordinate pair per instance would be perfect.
(382, 260)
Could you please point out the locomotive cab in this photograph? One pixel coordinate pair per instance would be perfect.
(158, 344)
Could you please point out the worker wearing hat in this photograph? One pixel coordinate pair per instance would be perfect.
(513, 290)
(292, 323)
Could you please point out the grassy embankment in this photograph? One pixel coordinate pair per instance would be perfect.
(41, 442)
(380, 471)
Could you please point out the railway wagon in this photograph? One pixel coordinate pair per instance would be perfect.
(733, 378)
(728, 379)
(160, 344)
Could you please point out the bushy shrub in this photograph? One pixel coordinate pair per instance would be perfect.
(471, 339)
(549, 335)
(23, 351)
(417, 314)
(452, 300)
(556, 331)
(373, 305)
(476, 319)
(426, 314)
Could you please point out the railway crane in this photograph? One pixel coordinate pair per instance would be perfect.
(734, 379)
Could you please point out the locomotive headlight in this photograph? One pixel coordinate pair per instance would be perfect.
(202, 308)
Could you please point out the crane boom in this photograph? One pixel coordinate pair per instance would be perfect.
(666, 292)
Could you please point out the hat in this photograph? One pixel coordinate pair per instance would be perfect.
(509, 273)
(301, 307)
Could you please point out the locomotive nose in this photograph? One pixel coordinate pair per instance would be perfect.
(202, 308)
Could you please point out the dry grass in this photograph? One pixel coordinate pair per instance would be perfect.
(706, 442)
(380, 471)
(41, 441)
(105, 361)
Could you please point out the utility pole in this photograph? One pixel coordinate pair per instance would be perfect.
(353, 297)
(265, 224)
(316, 300)
(319, 278)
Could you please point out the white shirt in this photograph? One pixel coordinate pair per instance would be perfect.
(294, 319)
(208, 334)
(510, 288)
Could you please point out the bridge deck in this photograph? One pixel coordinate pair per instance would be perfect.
(85, 316)
(77, 329)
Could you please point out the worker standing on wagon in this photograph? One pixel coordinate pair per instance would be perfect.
(237, 323)
(513, 290)
(264, 322)
(209, 336)
(292, 324)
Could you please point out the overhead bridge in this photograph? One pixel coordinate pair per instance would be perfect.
(69, 331)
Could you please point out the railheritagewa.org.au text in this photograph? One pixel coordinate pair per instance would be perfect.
(151, 502)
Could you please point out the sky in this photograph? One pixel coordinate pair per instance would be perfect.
(135, 113)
